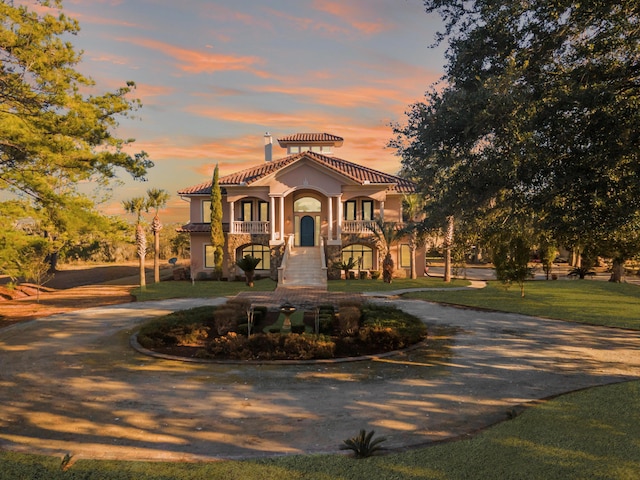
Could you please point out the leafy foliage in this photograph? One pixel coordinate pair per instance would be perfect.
(363, 444)
(217, 235)
(522, 122)
(248, 265)
(52, 135)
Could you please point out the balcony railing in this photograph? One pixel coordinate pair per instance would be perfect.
(365, 227)
(250, 227)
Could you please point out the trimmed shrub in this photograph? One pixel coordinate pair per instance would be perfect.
(298, 329)
(231, 345)
(348, 320)
(375, 274)
(185, 327)
(226, 319)
(381, 338)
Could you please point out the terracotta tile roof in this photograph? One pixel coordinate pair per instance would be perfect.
(353, 171)
(311, 138)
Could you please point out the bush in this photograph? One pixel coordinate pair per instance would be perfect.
(230, 345)
(375, 274)
(226, 318)
(348, 320)
(326, 324)
(381, 338)
(298, 328)
(185, 327)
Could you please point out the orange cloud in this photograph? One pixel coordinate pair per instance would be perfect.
(194, 61)
(144, 91)
(353, 15)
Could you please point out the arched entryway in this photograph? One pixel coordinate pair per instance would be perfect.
(306, 211)
(307, 231)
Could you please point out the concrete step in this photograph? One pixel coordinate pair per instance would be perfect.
(304, 268)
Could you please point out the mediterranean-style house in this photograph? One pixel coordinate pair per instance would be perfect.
(300, 214)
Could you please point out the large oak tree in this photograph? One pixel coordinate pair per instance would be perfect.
(537, 114)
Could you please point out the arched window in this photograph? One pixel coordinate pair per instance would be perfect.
(358, 252)
(307, 204)
(258, 251)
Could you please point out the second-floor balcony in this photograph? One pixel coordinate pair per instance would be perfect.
(362, 227)
(249, 227)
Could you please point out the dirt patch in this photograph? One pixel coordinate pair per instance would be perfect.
(72, 288)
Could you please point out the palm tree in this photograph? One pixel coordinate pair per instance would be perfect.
(413, 206)
(386, 233)
(136, 206)
(248, 265)
(156, 199)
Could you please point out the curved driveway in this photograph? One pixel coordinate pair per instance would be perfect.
(71, 383)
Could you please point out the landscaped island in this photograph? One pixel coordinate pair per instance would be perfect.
(239, 331)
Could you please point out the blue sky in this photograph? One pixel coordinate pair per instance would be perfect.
(214, 76)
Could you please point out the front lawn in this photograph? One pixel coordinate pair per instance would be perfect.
(585, 301)
(397, 284)
(200, 289)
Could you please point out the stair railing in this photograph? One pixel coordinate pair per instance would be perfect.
(323, 259)
(282, 269)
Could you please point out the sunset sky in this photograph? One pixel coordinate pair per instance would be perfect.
(214, 76)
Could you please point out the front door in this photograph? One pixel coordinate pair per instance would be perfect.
(307, 231)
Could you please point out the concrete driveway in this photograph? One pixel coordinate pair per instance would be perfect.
(72, 384)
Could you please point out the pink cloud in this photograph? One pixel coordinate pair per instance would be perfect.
(194, 61)
(354, 15)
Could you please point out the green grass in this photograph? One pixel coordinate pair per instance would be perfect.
(397, 284)
(586, 301)
(588, 434)
(202, 289)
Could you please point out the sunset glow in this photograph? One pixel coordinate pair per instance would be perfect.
(213, 77)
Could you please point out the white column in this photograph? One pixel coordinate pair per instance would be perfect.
(282, 218)
(232, 217)
(330, 201)
(272, 218)
(340, 215)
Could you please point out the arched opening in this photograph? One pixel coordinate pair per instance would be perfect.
(361, 254)
(306, 211)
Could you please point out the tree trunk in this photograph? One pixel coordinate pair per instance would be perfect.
(156, 226)
(412, 260)
(448, 242)
(617, 271)
(141, 242)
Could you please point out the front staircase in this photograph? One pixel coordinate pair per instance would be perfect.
(304, 268)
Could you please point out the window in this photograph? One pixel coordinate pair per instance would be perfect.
(209, 260)
(367, 210)
(263, 211)
(358, 252)
(350, 210)
(405, 256)
(206, 211)
(258, 251)
(307, 204)
(247, 211)
(293, 150)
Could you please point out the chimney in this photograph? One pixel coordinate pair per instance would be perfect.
(268, 147)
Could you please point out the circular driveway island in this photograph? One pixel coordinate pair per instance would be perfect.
(71, 383)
